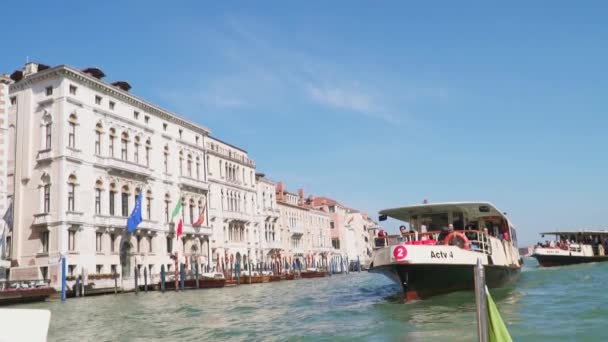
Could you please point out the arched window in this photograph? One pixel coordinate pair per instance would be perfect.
(73, 121)
(167, 203)
(112, 139)
(125, 200)
(72, 183)
(166, 160)
(98, 134)
(124, 142)
(98, 190)
(47, 123)
(112, 199)
(189, 167)
(184, 209)
(191, 211)
(222, 191)
(198, 168)
(149, 204)
(136, 150)
(148, 148)
(181, 163)
(46, 193)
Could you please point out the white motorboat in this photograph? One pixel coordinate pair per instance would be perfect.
(572, 247)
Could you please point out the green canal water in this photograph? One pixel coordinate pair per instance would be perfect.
(565, 303)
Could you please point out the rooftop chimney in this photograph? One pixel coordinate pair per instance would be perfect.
(124, 85)
(30, 68)
(280, 189)
(95, 72)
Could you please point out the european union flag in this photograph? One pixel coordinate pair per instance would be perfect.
(135, 219)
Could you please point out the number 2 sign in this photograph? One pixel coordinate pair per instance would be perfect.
(400, 252)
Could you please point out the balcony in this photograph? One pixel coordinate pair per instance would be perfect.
(126, 167)
(44, 155)
(297, 250)
(73, 216)
(108, 220)
(189, 229)
(189, 182)
(238, 216)
(298, 229)
(272, 244)
(73, 153)
(42, 219)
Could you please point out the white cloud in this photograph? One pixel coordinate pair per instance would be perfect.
(261, 71)
(342, 99)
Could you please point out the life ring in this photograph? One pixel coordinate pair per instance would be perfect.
(465, 242)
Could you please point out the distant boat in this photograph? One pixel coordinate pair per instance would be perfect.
(572, 247)
(428, 261)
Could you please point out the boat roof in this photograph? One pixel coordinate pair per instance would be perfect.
(575, 232)
(473, 209)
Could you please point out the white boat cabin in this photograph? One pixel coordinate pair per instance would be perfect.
(574, 243)
(479, 227)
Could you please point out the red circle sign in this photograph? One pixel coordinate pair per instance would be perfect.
(400, 252)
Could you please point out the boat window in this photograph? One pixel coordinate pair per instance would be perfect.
(458, 220)
(434, 222)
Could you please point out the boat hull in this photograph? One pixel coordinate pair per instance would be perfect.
(313, 274)
(420, 281)
(562, 260)
(9, 297)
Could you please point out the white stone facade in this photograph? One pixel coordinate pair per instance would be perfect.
(80, 150)
(85, 148)
(233, 204)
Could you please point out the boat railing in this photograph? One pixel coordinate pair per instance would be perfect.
(9, 285)
(479, 241)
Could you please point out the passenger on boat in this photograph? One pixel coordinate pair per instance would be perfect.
(445, 232)
(403, 230)
(552, 244)
(505, 235)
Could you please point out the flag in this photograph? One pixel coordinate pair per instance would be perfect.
(180, 227)
(8, 217)
(135, 219)
(177, 209)
(201, 218)
(497, 330)
(3, 242)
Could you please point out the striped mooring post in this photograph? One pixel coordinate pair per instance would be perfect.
(135, 276)
(182, 276)
(162, 278)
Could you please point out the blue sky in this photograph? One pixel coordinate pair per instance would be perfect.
(374, 104)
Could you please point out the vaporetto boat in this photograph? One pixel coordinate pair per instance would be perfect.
(572, 247)
(443, 245)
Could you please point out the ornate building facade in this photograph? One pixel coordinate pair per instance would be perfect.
(85, 149)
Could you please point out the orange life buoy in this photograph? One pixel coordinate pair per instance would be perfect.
(465, 242)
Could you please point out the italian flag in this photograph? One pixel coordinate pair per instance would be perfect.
(180, 224)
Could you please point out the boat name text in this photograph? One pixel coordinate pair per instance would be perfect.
(442, 255)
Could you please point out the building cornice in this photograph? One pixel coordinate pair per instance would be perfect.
(232, 159)
(102, 87)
